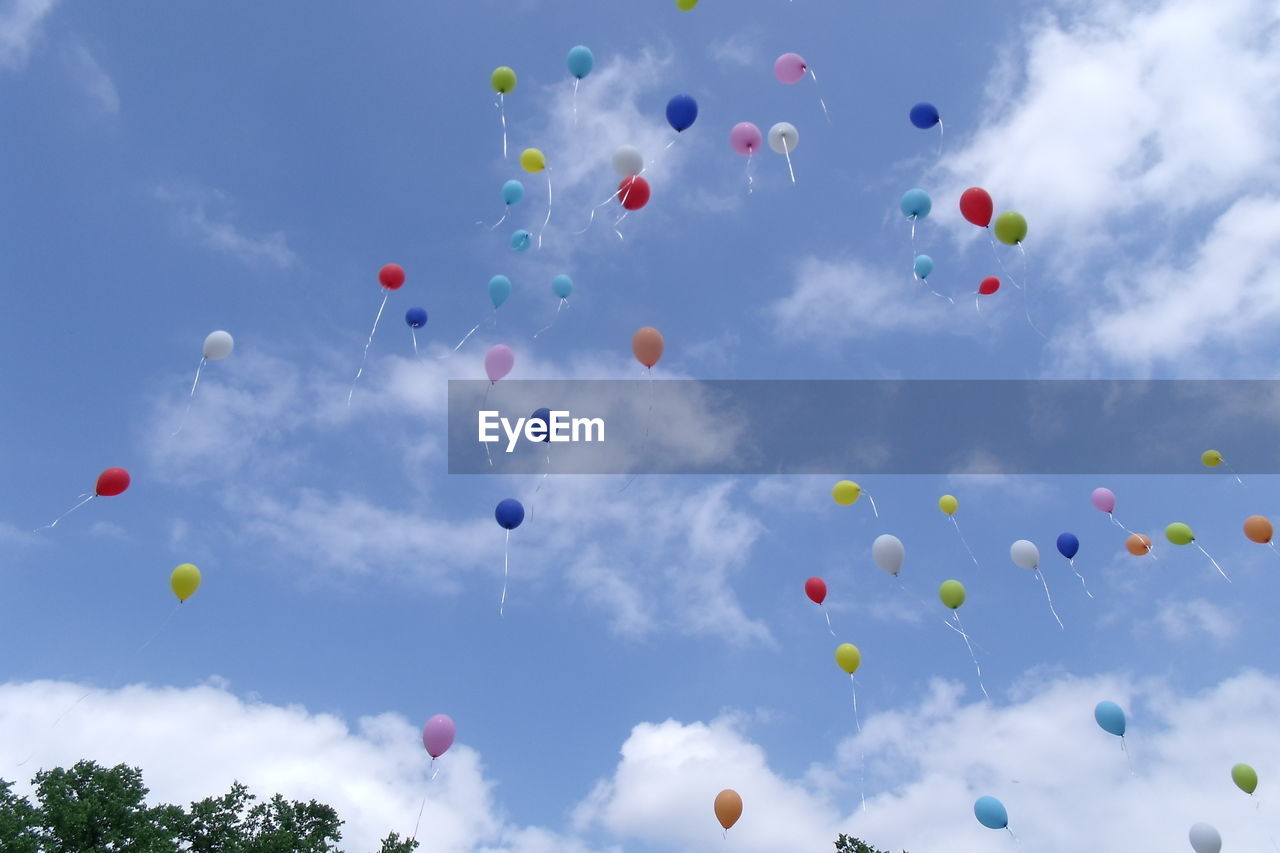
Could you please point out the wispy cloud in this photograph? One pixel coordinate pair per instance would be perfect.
(20, 22)
(1195, 619)
(205, 216)
(741, 49)
(91, 77)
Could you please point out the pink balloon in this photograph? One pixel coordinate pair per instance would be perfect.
(498, 362)
(1104, 500)
(790, 68)
(437, 735)
(745, 138)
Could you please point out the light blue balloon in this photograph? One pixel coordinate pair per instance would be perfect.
(916, 203)
(923, 266)
(1111, 717)
(990, 813)
(499, 289)
(581, 61)
(512, 192)
(562, 286)
(520, 240)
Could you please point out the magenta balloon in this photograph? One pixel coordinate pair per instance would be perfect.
(745, 138)
(790, 68)
(498, 362)
(437, 735)
(1104, 500)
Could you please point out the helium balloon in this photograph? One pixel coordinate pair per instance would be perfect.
(499, 289)
(438, 735)
(581, 61)
(924, 115)
(1179, 534)
(991, 813)
(1245, 777)
(948, 504)
(848, 657)
(111, 482)
(647, 346)
(633, 192)
(1011, 228)
(728, 804)
(628, 161)
(845, 492)
(916, 204)
(1025, 554)
(783, 137)
(509, 513)
(503, 80)
(888, 553)
(976, 206)
(512, 192)
(790, 68)
(391, 276)
(562, 286)
(952, 594)
(1211, 458)
(816, 589)
(184, 581)
(416, 317)
(1258, 529)
(1138, 545)
(989, 285)
(682, 112)
(498, 362)
(520, 240)
(1068, 545)
(1103, 500)
(217, 346)
(533, 160)
(1205, 839)
(1110, 718)
(686, 5)
(923, 266)
(544, 415)
(745, 138)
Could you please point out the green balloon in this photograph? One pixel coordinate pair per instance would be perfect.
(1011, 228)
(503, 80)
(1245, 777)
(951, 593)
(686, 5)
(1179, 534)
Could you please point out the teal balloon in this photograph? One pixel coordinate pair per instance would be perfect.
(581, 61)
(521, 240)
(923, 266)
(990, 813)
(512, 192)
(499, 289)
(1110, 717)
(562, 286)
(916, 204)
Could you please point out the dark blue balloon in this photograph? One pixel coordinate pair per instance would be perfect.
(682, 112)
(543, 415)
(510, 513)
(924, 116)
(416, 317)
(1068, 545)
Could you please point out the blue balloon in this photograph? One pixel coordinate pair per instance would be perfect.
(990, 813)
(916, 203)
(1110, 717)
(682, 112)
(1068, 545)
(581, 61)
(499, 289)
(416, 317)
(509, 513)
(923, 266)
(544, 415)
(925, 116)
(512, 192)
(562, 286)
(520, 240)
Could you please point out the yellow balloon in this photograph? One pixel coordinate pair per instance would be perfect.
(948, 504)
(1211, 458)
(686, 5)
(533, 160)
(848, 657)
(846, 492)
(185, 580)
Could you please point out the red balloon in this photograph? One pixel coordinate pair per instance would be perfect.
(633, 192)
(112, 482)
(989, 285)
(976, 206)
(391, 276)
(816, 589)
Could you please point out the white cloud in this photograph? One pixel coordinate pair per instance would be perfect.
(20, 22)
(203, 216)
(1195, 620)
(741, 49)
(92, 78)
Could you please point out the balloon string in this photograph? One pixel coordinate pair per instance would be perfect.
(1117, 523)
(576, 81)
(1025, 303)
(367, 343)
(505, 213)
(996, 252)
(1072, 564)
(619, 222)
(563, 302)
(546, 221)
(786, 149)
(468, 335)
(956, 524)
(483, 404)
(873, 505)
(750, 179)
(862, 753)
(506, 555)
(644, 446)
(1227, 465)
(1124, 747)
(1045, 584)
(828, 615)
(1015, 838)
(959, 629)
(435, 771)
(1215, 562)
(820, 101)
(415, 343)
(942, 132)
(191, 397)
(672, 142)
(503, 114)
(85, 500)
(1272, 546)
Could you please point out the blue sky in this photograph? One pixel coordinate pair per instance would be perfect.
(170, 172)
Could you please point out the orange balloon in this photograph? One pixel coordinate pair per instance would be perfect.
(728, 807)
(647, 346)
(1138, 545)
(1258, 529)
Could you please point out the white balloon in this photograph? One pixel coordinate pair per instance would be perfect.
(888, 553)
(1025, 554)
(1205, 839)
(628, 161)
(218, 345)
(783, 137)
